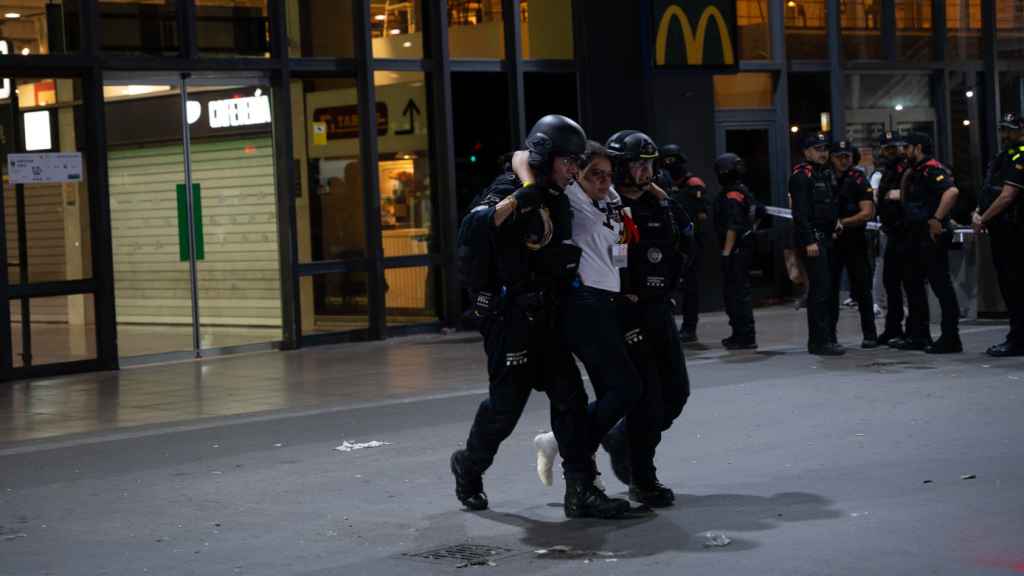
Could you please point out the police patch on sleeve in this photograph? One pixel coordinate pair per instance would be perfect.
(654, 255)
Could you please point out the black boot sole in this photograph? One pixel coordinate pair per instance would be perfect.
(476, 502)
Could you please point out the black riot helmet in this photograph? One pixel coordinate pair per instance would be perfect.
(554, 135)
(672, 160)
(625, 147)
(729, 168)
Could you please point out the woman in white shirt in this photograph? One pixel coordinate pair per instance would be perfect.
(592, 327)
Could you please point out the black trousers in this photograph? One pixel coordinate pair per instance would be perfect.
(739, 303)
(893, 268)
(852, 254)
(525, 351)
(931, 261)
(1006, 241)
(595, 336)
(691, 286)
(652, 340)
(820, 309)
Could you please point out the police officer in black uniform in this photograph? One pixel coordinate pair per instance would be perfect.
(656, 261)
(856, 205)
(1001, 213)
(690, 192)
(892, 164)
(736, 212)
(930, 196)
(815, 221)
(517, 266)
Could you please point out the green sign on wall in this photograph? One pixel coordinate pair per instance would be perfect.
(197, 207)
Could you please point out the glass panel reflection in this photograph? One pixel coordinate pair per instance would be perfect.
(335, 302)
(475, 29)
(139, 26)
(411, 294)
(233, 28)
(406, 213)
(395, 29)
(805, 30)
(546, 29)
(320, 29)
(62, 329)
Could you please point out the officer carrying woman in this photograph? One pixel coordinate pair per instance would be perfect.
(516, 261)
(651, 393)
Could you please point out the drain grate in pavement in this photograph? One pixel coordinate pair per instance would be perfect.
(469, 554)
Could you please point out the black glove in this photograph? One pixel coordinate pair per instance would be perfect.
(528, 198)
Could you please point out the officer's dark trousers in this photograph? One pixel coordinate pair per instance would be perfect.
(915, 273)
(820, 309)
(595, 336)
(852, 254)
(739, 303)
(691, 286)
(1007, 241)
(893, 269)
(933, 261)
(526, 352)
(652, 341)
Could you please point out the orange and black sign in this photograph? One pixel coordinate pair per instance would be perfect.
(695, 33)
(343, 121)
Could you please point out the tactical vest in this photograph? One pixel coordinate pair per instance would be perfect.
(917, 203)
(655, 262)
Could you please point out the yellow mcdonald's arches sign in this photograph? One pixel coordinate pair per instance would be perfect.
(693, 41)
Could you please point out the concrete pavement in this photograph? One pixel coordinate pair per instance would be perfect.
(810, 466)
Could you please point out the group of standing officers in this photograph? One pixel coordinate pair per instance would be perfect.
(559, 262)
(913, 194)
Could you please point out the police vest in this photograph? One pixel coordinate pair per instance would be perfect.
(655, 261)
(823, 214)
(850, 193)
(999, 170)
(890, 212)
(918, 202)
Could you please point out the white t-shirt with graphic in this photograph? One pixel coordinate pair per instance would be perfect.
(596, 228)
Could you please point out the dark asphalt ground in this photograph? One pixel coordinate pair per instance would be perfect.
(810, 466)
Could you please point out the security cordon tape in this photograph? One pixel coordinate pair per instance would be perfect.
(959, 234)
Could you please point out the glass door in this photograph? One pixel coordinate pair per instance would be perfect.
(46, 259)
(197, 271)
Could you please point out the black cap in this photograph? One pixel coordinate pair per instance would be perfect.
(918, 138)
(842, 147)
(890, 138)
(812, 140)
(1011, 121)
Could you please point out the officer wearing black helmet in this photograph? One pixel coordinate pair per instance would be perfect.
(656, 262)
(1000, 213)
(815, 221)
(887, 180)
(856, 205)
(930, 196)
(690, 192)
(736, 212)
(521, 227)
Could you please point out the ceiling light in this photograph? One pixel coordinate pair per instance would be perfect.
(899, 107)
(967, 122)
(791, 4)
(794, 129)
(970, 94)
(25, 51)
(12, 15)
(406, 44)
(396, 31)
(380, 17)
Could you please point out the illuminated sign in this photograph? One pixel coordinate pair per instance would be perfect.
(5, 85)
(235, 112)
(697, 47)
(343, 121)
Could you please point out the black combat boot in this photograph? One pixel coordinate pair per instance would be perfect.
(652, 493)
(946, 344)
(829, 349)
(1005, 350)
(886, 337)
(469, 485)
(584, 500)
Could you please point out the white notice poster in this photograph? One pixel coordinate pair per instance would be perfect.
(51, 167)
